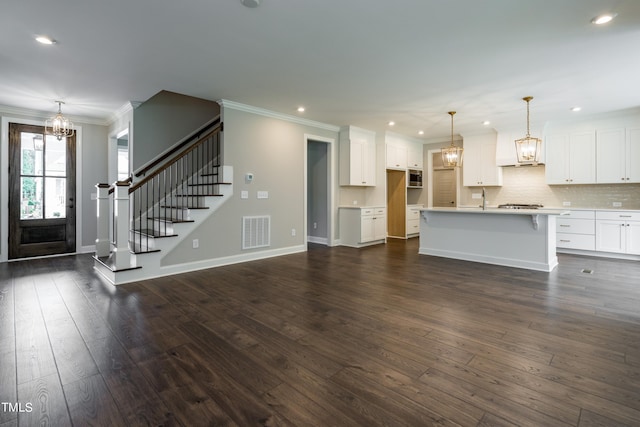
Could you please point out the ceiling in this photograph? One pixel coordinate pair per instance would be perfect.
(357, 62)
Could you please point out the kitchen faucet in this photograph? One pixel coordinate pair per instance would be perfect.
(484, 199)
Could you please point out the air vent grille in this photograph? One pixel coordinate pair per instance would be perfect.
(256, 232)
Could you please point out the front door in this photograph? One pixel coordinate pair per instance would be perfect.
(42, 177)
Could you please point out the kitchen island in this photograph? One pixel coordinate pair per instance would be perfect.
(523, 238)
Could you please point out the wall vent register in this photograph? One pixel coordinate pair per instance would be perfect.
(256, 232)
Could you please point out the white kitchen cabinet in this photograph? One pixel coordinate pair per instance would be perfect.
(396, 156)
(479, 161)
(618, 232)
(618, 152)
(415, 158)
(571, 158)
(357, 157)
(413, 220)
(362, 226)
(576, 230)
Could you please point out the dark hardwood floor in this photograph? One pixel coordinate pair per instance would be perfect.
(331, 337)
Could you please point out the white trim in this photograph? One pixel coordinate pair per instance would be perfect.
(139, 274)
(4, 182)
(487, 259)
(281, 116)
(616, 255)
(120, 112)
(319, 240)
(37, 114)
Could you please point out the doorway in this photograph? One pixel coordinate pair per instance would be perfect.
(444, 184)
(42, 192)
(318, 192)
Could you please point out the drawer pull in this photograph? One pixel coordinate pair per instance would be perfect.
(564, 225)
(625, 216)
(565, 241)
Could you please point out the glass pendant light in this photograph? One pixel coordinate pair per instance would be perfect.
(58, 125)
(452, 155)
(528, 148)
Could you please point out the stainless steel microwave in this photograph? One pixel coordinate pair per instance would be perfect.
(415, 178)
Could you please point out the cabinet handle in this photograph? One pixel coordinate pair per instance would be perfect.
(565, 241)
(624, 216)
(563, 225)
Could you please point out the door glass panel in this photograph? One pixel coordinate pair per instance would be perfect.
(31, 145)
(54, 190)
(55, 157)
(30, 198)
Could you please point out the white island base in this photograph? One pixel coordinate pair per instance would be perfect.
(515, 238)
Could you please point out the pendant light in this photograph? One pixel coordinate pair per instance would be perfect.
(58, 125)
(452, 155)
(528, 148)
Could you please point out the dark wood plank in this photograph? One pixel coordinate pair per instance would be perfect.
(335, 336)
(48, 405)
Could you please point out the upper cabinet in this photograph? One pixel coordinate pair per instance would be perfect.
(479, 161)
(571, 158)
(618, 156)
(396, 155)
(415, 159)
(402, 152)
(357, 157)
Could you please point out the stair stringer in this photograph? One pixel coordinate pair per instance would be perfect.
(149, 263)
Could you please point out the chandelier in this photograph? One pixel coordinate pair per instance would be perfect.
(452, 155)
(528, 148)
(58, 125)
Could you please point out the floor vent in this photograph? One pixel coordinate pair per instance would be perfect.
(256, 231)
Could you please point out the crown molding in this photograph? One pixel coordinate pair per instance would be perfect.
(44, 115)
(281, 116)
(124, 109)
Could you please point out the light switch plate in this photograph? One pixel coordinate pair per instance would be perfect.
(476, 195)
(263, 194)
(617, 204)
(244, 194)
(566, 203)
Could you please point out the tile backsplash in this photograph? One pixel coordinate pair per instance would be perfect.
(527, 185)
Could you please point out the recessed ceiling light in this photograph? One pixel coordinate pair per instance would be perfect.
(250, 3)
(300, 109)
(420, 132)
(392, 123)
(45, 40)
(576, 108)
(486, 123)
(603, 19)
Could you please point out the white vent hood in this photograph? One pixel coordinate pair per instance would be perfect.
(506, 146)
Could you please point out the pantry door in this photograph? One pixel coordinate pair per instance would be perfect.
(42, 192)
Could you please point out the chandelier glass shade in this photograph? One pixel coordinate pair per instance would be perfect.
(58, 125)
(451, 155)
(528, 148)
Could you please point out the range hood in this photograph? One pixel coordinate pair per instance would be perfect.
(506, 147)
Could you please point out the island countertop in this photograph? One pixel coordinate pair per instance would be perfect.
(500, 211)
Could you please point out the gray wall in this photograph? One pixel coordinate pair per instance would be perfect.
(165, 119)
(273, 150)
(318, 196)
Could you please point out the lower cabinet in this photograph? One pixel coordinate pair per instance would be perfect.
(577, 230)
(362, 226)
(413, 220)
(618, 232)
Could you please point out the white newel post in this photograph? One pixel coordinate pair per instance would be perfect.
(121, 232)
(103, 245)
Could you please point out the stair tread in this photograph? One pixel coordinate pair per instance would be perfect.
(183, 207)
(153, 233)
(173, 220)
(197, 195)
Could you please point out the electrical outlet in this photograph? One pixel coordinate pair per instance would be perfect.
(476, 195)
(617, 204)
(293, 232)
(566, 203)
(196, 243)
(315, 225)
